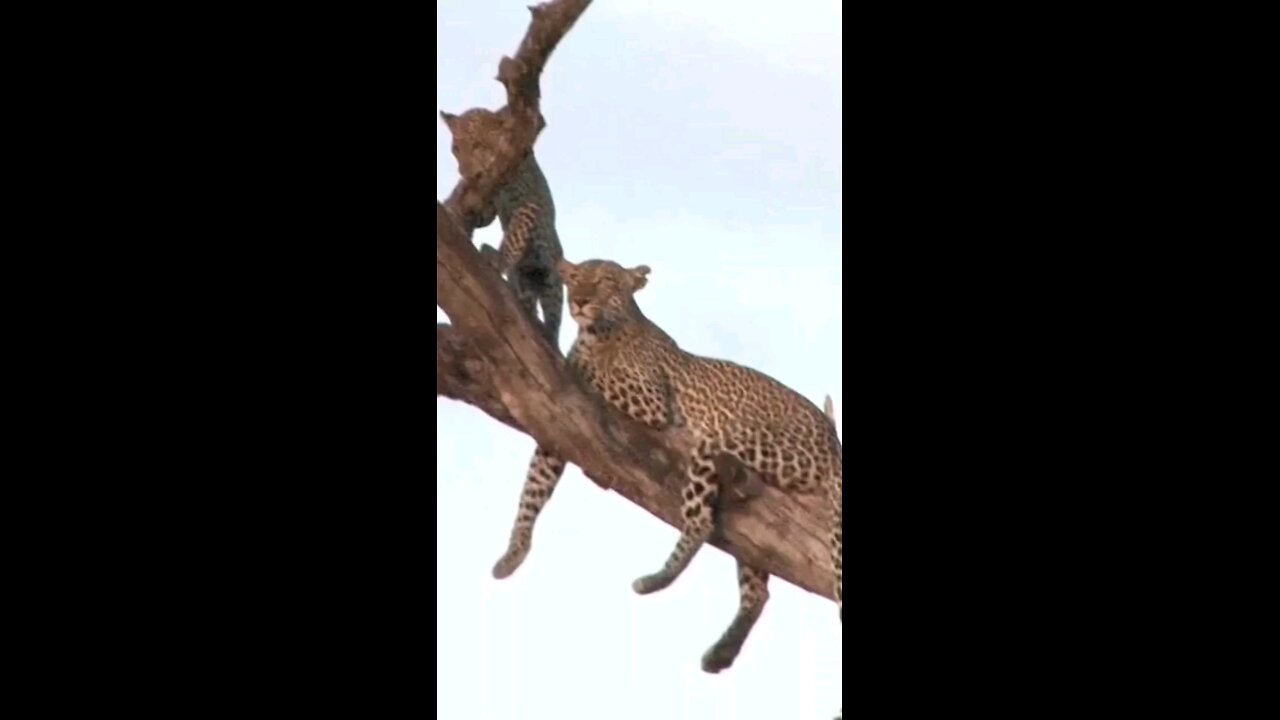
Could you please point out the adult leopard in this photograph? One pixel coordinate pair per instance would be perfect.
(730, 408)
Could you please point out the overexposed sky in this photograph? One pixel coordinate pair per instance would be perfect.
(702, 139)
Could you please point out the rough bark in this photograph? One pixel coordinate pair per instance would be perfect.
(494, 358)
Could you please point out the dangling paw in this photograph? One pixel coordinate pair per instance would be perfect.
(511, 561)
(718, 658)
(651, 583)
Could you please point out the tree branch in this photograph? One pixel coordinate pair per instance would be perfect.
(462, 374)
(493, 357)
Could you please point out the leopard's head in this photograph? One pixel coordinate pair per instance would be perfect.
(601, 292)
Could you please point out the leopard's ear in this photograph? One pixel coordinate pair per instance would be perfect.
(829, 408)
(638, 279)
(449, 119)
(568, 271)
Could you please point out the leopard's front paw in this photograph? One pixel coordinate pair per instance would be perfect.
(512, 560)
(651, 583)
(718, 658)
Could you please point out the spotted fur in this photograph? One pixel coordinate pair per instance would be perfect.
(516, 237)
(730, 408)
(829, 408)
(530, 245)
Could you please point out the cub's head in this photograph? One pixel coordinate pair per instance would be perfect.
(475, 149)
(601, 291)
(473, 139)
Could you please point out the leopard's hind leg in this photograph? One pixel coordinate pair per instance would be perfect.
(698, 510)
(753, 593)
(544, 473)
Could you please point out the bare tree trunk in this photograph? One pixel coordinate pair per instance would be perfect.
(494, 358)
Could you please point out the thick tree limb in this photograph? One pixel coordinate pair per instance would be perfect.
(463, 375)
(493, 357)
(517, 379)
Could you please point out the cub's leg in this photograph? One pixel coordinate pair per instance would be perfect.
(552, 301)
(544, 472)
(753, 593)
(517, 236)
(699, 520)
(526, 293)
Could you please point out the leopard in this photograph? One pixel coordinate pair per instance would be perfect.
(730, 408)
(530, 246)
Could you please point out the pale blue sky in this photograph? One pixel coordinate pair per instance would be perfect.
(702, 139)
